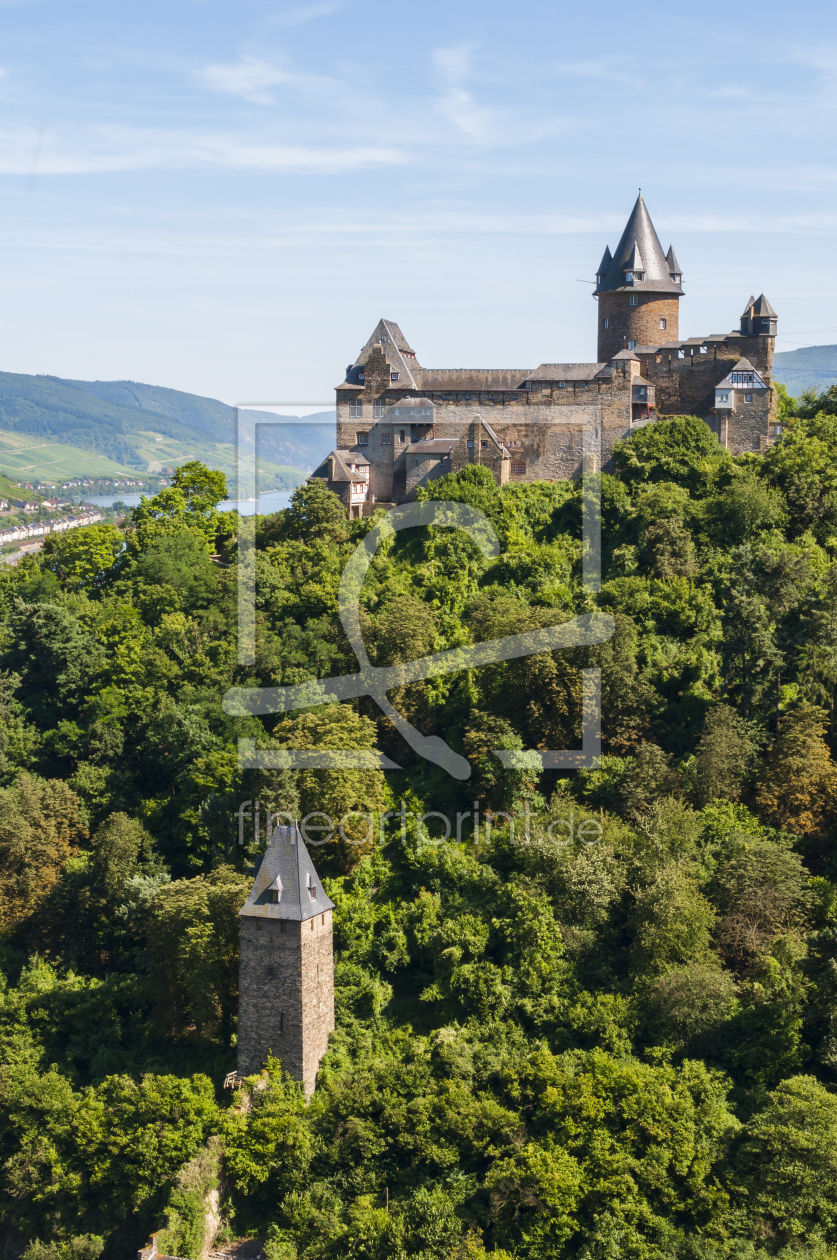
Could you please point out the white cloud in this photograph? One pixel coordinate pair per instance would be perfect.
(452, 65)
(123, 149)
(248, 78)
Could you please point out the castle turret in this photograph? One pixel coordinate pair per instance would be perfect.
(638, 289)
(286, 973)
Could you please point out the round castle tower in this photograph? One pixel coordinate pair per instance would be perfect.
(638, 289)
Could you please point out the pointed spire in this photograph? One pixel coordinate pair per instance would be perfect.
(635, 262)
(639, 235)
(674, 268)
(286, 885)
(748, 309)
(607, 259)
(761, 306)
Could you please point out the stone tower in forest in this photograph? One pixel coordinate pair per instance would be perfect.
(286, 976)
(638, 289)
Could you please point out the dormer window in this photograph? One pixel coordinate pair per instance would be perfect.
(632, 276)
(393, 376)
(361, 376)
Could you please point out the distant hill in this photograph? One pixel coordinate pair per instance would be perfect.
(51, 427)
(811, 367)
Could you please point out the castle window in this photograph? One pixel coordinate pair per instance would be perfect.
(518, 470)
(470, 444)
(607, 323)
(748, 397)
(282, 926)
(633, 300)
(313, 891)
(402, 436)
(393, 376)
(362, 439)
(361, 376)
(562, 384)
(631, 345)
(681, 354)
(259, 925)
(513, 444)
(528, 385)
(355, 410)
(662, 323)
(281, 1021)
(312, 925)
(274, 895)
(323, 920)
(386, 439)
(484, 445)
(704, 349)
(270, 971)
(379, 408)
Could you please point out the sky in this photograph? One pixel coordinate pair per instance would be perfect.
(225, 198)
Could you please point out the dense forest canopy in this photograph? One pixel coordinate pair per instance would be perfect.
(553, 1040)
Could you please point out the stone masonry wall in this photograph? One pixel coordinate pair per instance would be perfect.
(640, 323)
(286, 994)
(545, 423)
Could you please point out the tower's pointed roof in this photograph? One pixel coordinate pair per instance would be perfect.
(748, 309)
(639, 235)
(674, 268)
(287, 870)
(761, 306)
(607, 259)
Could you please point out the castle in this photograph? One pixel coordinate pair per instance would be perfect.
(286, 972)
(399, 425)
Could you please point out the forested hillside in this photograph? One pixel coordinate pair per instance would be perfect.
(605, 1041)
(142, 427)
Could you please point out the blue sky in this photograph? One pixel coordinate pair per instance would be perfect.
(226, 197)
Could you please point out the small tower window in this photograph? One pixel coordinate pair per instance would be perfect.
(662, 323)
(270, 971)
(631, 345)
(748, 397)
(281, 1021)
(606, 324)
(361, 376)
(633, 300)
(282, 926)
(259, 925)
(393, 376)
(355, 410)
(562, 384)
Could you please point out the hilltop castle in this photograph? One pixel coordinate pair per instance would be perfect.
(400, 425)
(286, 972)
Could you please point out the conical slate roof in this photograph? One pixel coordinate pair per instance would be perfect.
(607, 259)
(640, 238)
(286, 869)
(674, 267)
(748, 309)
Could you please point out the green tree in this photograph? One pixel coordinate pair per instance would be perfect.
(725, 756)
(787, 1160)
(797, 787)
(315, 513)
(192, 952)
(682, 450)
(40, 827)
(82, 557)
